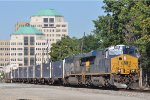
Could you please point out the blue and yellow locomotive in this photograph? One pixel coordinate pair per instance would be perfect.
(114, 66)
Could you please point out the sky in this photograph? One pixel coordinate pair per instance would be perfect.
(78, 13)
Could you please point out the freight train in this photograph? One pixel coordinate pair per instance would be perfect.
(115, 66)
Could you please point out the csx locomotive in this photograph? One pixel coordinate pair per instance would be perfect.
(115, 66)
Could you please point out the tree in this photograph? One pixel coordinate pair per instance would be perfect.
(126, 22)
(89, 43)
(135, 15)
(64, 48)
(108, 28)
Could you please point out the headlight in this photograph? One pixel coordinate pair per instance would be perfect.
(119, 70)
(132, 70)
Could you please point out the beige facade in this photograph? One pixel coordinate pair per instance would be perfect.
(21, 24)
(4, 53)
(23, 52)
(1, 69)
(53, 27)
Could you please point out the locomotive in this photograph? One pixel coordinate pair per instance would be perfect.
(115, 66)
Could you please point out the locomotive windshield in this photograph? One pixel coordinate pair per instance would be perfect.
(129, 50)
(121, 49)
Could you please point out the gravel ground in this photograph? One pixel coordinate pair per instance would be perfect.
(9, 91)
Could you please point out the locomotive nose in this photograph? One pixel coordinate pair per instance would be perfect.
(124, 64)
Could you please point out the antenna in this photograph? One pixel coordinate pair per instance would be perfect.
(82, 44)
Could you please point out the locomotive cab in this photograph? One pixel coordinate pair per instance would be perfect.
(124, 59)
(124, 63)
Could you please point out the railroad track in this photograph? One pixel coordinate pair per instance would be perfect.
(136, 90)
(146, 90)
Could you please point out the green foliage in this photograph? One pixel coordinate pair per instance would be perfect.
(90, 42)
(72, 46)
(144, 48)
(2, 75)
(64, 48)
(109, 28)
(126, 22)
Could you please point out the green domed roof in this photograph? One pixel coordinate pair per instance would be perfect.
(28, 30)
(47, 12)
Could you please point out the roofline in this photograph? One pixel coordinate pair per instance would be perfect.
(48, 15)
(27, 34)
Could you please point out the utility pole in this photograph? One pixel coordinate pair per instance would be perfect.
(82, 44)
(141, 73)
(49, 59)
(50, 68)
(140, 80)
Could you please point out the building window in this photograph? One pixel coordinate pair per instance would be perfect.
(32, 41)
(19, 48)
(25, 50)
(13, 43)
(45, 20)
(57, 35)
(63, 25)
(20, 64)
(63, 35)
(19, 43)
(64, 30)
(19, 54)
(31, 50)
(57, 25)
(51, 20)
(31, 61)
(19, 59)
(25, 40)
(51, 25)
(26, 61)
(43, 43)
(45, 25)
(12, 48)
(57, 40)
(57, 30)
